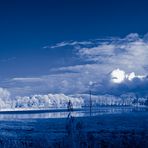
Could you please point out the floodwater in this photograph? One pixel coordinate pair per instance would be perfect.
(84, 112)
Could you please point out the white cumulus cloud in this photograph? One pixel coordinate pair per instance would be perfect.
(118, 76)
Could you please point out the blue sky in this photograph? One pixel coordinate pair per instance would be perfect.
(60, 46)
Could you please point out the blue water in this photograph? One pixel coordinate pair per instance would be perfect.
(63, 114)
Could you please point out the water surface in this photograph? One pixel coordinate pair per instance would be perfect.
(63, 114)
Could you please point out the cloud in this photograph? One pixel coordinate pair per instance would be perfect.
(126, 53)
(137, 85)
(118, 76)
(114, 65)
(26, 79)
(119, 82)
(129, 54)
(67, 83)
(69, 43)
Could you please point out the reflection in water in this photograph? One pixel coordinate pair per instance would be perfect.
(81, 113)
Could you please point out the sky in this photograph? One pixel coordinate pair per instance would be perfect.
(71, 46)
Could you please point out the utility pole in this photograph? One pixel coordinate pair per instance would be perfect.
(90, 99)
(90, 103)
(137, 96)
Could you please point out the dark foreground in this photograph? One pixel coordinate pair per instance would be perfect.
(110, 130)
